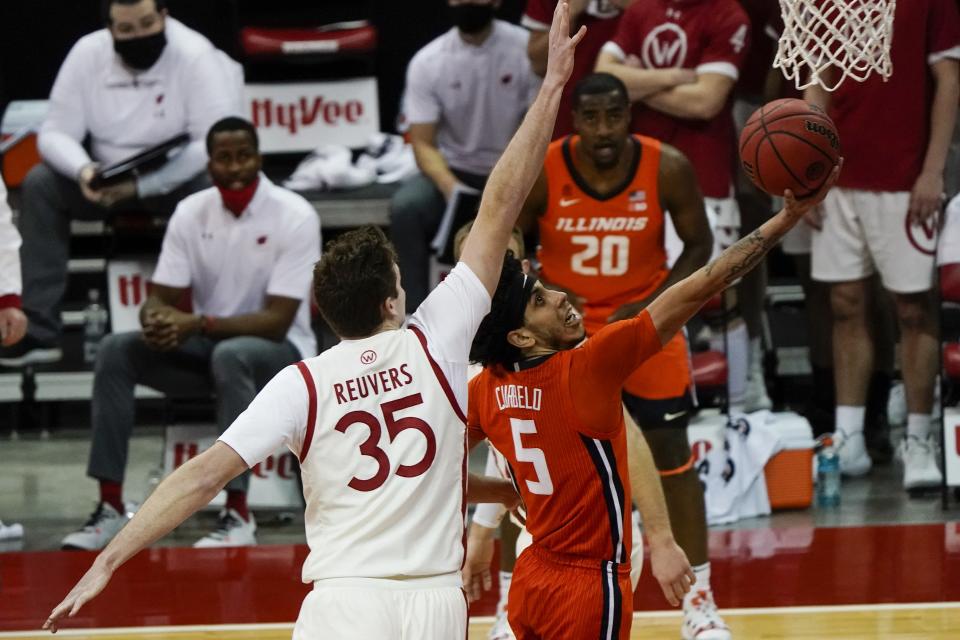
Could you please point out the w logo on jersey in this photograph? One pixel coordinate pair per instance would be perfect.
(665, 47)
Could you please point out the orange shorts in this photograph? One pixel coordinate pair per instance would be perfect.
(554, 597)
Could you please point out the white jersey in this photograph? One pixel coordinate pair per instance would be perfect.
(379, 427)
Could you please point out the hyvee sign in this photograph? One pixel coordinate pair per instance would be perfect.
(301, 116)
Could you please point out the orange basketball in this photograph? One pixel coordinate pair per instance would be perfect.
(789, 144)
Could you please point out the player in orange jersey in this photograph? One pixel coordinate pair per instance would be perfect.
(601, 205)
(554, 411)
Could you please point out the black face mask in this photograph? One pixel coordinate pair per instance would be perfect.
(472, 18)
(143, 52)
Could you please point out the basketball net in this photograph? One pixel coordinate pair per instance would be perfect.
(826, 41)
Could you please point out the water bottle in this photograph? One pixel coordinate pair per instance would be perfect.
(94, 326)
(828, 475)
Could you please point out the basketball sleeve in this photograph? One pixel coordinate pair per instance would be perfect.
(276, 418)
(538, 15)
(626, 40)
(943, 31)
(420, 103)
(727, 43)
(616, 351)
(292, 272)
(173, 265)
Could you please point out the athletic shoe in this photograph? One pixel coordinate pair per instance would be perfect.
(852, 451)
(11, 531)
(29, 351)
(920, 469)
(701, 620)
(103, 524)
(231, 531)
(501, 628)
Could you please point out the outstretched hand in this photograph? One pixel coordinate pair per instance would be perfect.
(91, 584)
(562, 45)
(797, 209)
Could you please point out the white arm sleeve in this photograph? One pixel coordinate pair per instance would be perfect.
(277, 417)
(489, 514)
(292, 273)
(420, 104)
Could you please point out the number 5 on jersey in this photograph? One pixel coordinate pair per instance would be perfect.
(543, 485)
(371, 446)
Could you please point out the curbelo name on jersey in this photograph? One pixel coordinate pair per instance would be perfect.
(516, 396)
(374, 383)
(618, 223)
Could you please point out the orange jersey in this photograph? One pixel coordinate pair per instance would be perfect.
(610, 250)
(559, 423)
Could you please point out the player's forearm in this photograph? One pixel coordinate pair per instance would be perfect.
(180, 495)
(646, 487)
(640, 83)
(487, 489)
(433, 165)
(681, 301)
(943, 115)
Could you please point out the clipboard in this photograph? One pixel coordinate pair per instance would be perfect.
(146, 160)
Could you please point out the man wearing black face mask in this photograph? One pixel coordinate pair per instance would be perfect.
(466, 93)
(142, 80)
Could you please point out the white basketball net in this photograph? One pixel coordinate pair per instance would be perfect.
(826, 41)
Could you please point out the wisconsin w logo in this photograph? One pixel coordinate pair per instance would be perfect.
(665, 47)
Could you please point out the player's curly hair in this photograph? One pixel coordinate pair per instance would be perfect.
(353, 279)
(490, 345)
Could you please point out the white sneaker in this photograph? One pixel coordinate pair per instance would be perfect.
(103, 524)
(919, 463)
(11, 531)
(701, 620)
(231, 531)
(852, 451)
(501, 628)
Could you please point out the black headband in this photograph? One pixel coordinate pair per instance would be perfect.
(517, 298)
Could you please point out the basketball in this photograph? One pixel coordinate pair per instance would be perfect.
(789, 144)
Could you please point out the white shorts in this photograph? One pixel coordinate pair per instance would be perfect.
(865, 232)
(371, 609)
(723, 214)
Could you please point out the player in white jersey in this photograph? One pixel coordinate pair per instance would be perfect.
(377, 422)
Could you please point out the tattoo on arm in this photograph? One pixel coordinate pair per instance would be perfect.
(740, 258)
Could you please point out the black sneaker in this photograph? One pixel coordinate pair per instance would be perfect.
(29, 351)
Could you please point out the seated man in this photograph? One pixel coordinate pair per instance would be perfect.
(465, 95)
(142, 80)
(246, 249)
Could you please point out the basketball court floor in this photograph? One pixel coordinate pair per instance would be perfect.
(879, 566)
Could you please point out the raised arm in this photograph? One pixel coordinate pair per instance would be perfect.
(518, 167)
(680, 302)
(185, 491)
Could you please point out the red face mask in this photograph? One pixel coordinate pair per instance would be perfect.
(236, 200)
